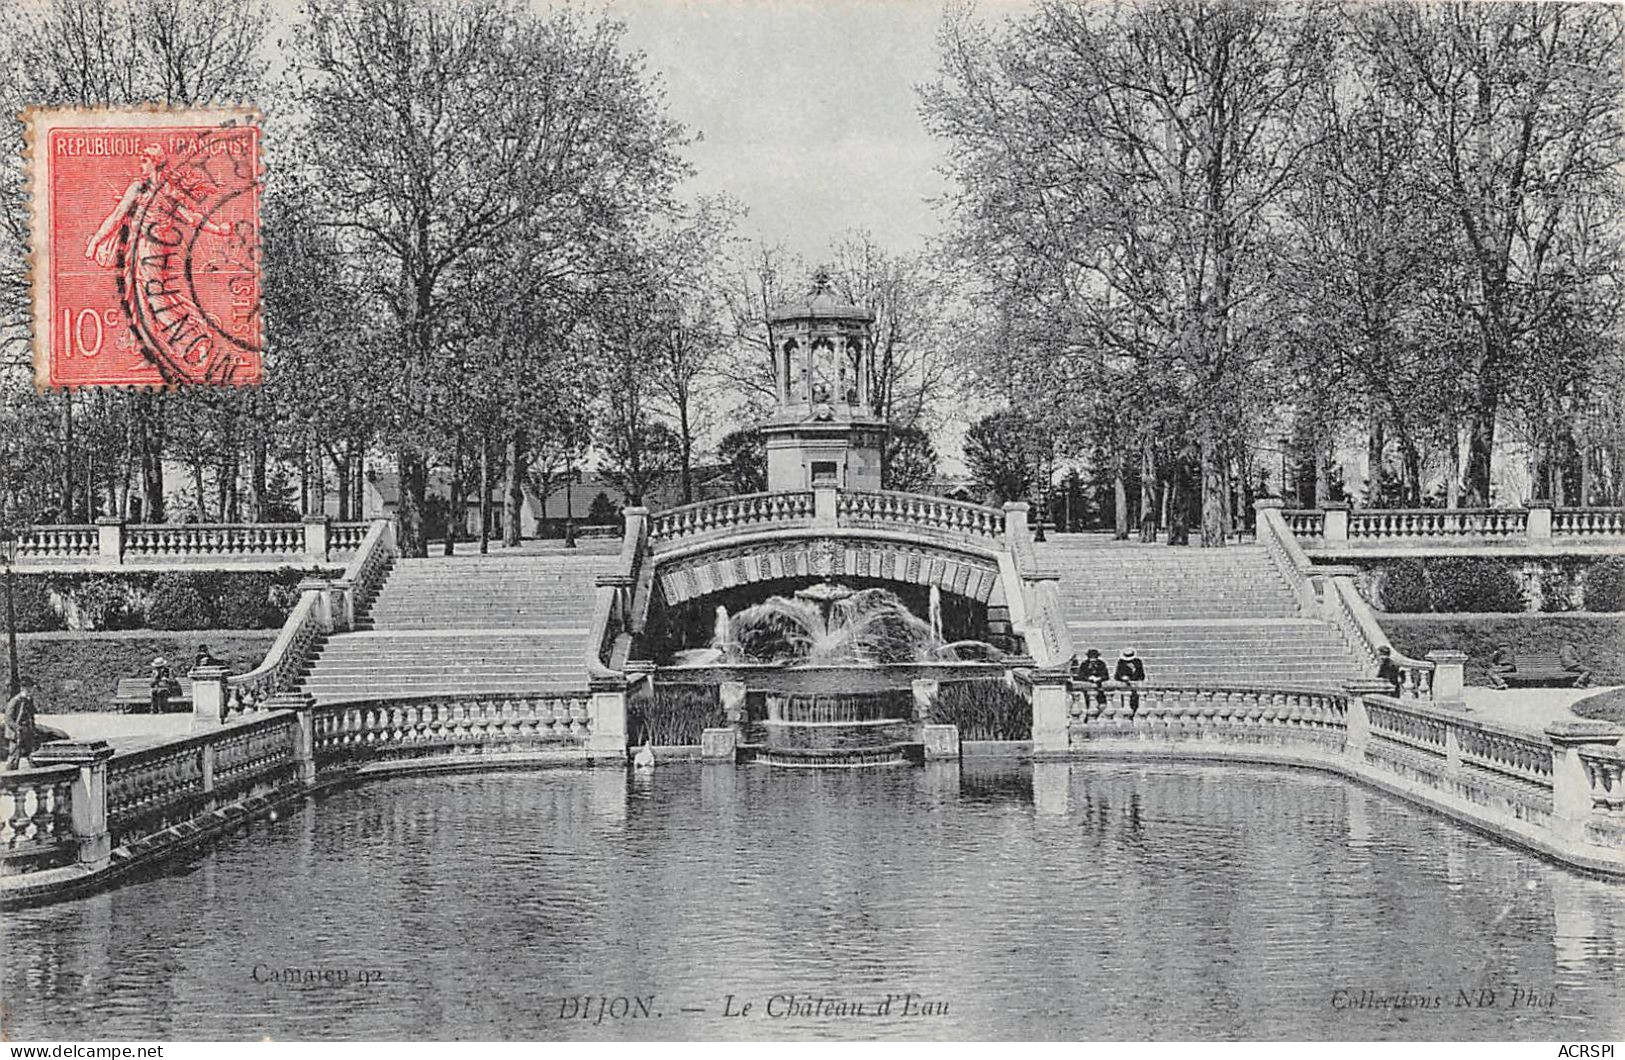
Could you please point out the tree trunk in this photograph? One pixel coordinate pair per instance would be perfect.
(1376, 444)
(414, 482)
(197, 483)
(341, 472)
(1452, 488)
(1176, 506)
(67, 456)
(1481, 439)
(256, 478)
(1148, 492)
(454, 504)
(150, 438)
(685, 438)
(514, 494)
(317, 499)
(1120, 525)
(485, 494)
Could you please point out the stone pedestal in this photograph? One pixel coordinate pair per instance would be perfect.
(824, 494)
(608, 708)
(88, 794)
(304, 741)
(1052, 712)
(1449, 675)
(208, 696)
(316, 538)
(941, 742)
(110, 539)
(1337, 521)
(719, 745)
(1571, 787)
(1539, 527)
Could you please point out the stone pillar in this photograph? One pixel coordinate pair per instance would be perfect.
(1337, 521)
(1052, 712)
(1540, 520)
(925, 694)
(110, 539)
(637, 521)
(316, 538)
(1449, 675)
(341, 604)
(208, 696)
(1357, 734)
(824, 503)
(88, 795)
(941, 742)
(1015, 520)
(1571, 788)
(608, 707)
(719, 745)
(304, 737)
(324, 601)
(732, 694)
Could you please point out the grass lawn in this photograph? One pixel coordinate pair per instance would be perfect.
(80, 671)
(1599, 638)
(1605, 706)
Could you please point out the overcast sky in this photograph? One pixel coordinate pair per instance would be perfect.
(807, 108)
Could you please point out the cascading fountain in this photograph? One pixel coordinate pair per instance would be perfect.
(827, 658)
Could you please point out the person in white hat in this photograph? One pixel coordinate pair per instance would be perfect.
(163, 686)
(1130, 672)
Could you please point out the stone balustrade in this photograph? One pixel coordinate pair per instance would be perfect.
(112, 542)
(726, 515)
(36, 818)
(322, 608)
(1560, 793)
(917, 513)
(359, 732)
(911, 513)
(1537, 522)
(1329, 593)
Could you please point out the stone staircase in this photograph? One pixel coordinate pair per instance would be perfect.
(467, 624)
(1196, 616)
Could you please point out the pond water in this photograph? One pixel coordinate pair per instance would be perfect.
(1068, 900)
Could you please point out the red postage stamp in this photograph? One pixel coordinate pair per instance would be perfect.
(145, 246)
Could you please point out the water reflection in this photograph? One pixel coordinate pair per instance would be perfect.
(1053, 900)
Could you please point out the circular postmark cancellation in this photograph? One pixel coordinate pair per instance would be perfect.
(188, 260)
(146, 261)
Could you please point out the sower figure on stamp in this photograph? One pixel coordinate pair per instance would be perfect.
(152, 277)
(22, 732)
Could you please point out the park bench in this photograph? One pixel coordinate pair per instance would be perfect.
(1539, 671)
(135, 695)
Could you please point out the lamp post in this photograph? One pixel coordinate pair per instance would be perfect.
(8, 555)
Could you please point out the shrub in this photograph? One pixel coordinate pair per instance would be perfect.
(1469, 583)
(243, 601)
(1405, 587)
(1557, 584)
(104, 603)
(1605, 585)
(35, 614)
(177, 602)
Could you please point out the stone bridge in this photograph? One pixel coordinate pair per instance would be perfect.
(980, 553)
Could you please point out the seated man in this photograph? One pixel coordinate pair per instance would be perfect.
(204, 657)
(163, 686)
(1092, 671)
(1501, 663)
(1388, 670)
(1131, 672)
(1569, 658)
